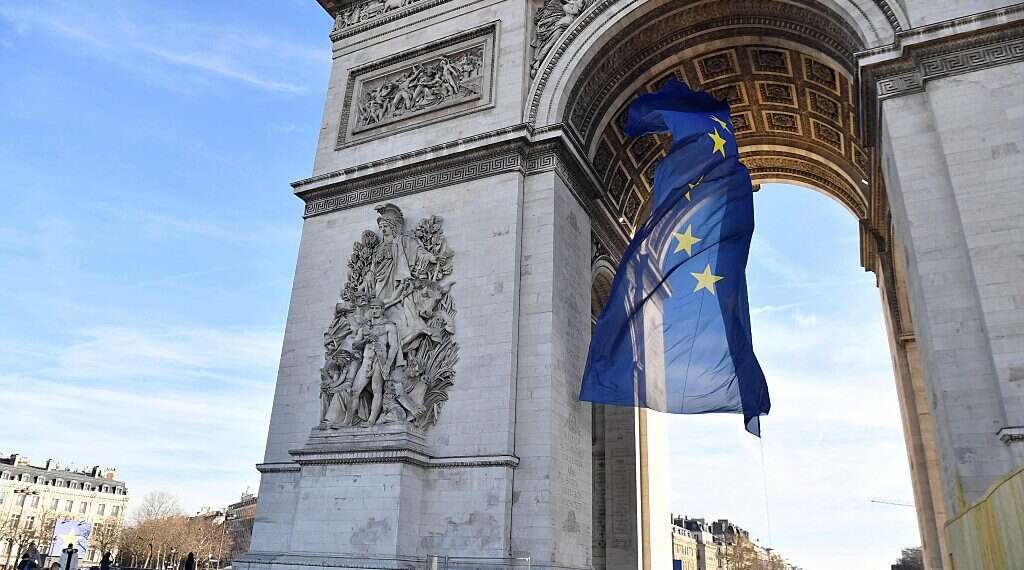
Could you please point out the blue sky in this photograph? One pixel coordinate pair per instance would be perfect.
(147, 242)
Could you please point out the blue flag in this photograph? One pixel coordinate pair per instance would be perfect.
(675, 334)
(69, 532)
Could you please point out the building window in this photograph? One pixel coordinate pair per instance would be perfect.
(86, 487)
(54, 504)
(5, 476)
(35, 502)
(20, 501)
(84, 508)
(74, 485)
(115, 511)
(101, 509)
(3, 497)
(69, 505)
(30, 522)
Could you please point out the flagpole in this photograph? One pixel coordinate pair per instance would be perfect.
(645, 499)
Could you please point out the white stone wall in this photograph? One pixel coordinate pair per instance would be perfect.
(952, 162)
(551, 517)
(923, 12)
(418, 30)
(335, 503)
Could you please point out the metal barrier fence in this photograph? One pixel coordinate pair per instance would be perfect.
(469, 563)
(990, 534)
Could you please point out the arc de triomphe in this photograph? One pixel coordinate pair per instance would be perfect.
(472, 189)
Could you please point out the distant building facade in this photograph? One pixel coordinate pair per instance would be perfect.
(239, 520)
(33, 498)
(722, 545)
(707, 547)
(684, 549)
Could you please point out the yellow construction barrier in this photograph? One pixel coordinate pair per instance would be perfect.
(990, 534)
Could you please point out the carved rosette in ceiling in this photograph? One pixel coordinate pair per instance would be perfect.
(390, 350)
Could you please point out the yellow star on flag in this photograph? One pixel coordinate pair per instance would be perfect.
(71, 538)
(723, 124)
(719, 143)
(686, 240)
(706, 280)
(693, 185)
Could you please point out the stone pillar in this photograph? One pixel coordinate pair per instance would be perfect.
(951, 137)
(918, 422)
(551, 516)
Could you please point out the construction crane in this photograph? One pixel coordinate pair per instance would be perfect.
(892, 502)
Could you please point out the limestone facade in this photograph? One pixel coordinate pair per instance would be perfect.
(503, 118)
(33, 498)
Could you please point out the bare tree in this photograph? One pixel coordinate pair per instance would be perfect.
(162, 542)
(158, 505)
(106, 535)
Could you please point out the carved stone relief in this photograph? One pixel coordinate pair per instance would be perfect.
(362, 15)
(369, 10)
(436, 82)
(549, 23)
(442, 81)
(389, 350)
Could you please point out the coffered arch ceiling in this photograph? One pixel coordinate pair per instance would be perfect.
(786, 68)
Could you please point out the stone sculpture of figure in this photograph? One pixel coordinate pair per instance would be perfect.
(396, 256)
(553, 18)
(402, 98)
(427, 326)
(382, 353)
(450, 78)
(391, 360)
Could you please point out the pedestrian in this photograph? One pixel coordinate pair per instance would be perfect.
(105, 562)
(190, 562)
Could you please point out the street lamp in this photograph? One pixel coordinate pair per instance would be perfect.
(223, 535)
(25, 492)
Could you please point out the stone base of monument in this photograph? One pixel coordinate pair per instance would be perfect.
(364, 441)
(276, 561)
(365, 497)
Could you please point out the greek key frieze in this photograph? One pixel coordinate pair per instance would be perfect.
(951, 63)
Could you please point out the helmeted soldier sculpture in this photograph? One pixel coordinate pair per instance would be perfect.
(389, 349)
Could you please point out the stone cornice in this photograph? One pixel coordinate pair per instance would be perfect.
(343, 29)
(943, 49)
(1012, 434)
(514, 149)
(313, 184)
(406, 456)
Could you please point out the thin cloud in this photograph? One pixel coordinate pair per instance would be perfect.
(138, 389)
(211, 64)
(254, 59)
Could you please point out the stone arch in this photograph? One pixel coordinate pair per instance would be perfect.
(787, 68)
(874, 23)
(602, 275)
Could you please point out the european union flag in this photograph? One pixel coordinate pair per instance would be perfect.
(70, 532)
(675, 334)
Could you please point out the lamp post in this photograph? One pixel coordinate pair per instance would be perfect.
(223, 535)
(25, 493)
